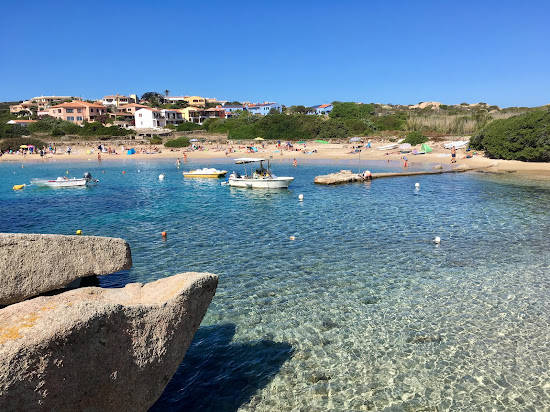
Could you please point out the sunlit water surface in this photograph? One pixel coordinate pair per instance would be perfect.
(362, 311)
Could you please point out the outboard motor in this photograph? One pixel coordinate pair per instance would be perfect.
(89, 178)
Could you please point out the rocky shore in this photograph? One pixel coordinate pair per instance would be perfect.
(89, 348)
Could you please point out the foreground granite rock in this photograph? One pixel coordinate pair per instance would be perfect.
(31, 264)
(99, 349)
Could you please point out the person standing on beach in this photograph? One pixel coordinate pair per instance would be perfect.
(185, 157)
(405, 160)
(99, 156)
(68, 149)
(453, 155)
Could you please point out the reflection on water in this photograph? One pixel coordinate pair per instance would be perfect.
(361, 311)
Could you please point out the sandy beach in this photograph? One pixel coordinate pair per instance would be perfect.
(318, 151)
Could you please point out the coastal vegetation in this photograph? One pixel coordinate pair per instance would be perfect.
(524, 137)
(177, 143)
(56, 127)
(15, 143)
(415, 138)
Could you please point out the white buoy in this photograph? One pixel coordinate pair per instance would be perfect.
(292, 237)
(161, 177)
(417, 185)
(437, 239)
(301, 198)
(139, 171)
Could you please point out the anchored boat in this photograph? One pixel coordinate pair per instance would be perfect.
(63, 181)
(261, 178)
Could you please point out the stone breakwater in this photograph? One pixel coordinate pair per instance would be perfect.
(346, 176)
(95, 349)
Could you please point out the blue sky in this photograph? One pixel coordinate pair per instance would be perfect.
(292, 52)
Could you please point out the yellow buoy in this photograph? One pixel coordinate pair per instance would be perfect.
(79, 232)
(18, 187)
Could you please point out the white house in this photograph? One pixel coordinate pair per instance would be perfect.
(321, 109)
(148, 118)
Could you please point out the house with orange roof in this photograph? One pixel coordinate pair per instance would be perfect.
(321, 109)
(36, 104)
(131, 108)
(77, 111)
(149, 118)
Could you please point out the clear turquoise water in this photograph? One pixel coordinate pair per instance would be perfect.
(361, 312)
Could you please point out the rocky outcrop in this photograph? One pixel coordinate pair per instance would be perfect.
(99, 349)
(31, 264)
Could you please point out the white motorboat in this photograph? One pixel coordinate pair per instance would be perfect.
(261, 178)
(205, 173)
(63, 181)
(458, 144)
(388, 146)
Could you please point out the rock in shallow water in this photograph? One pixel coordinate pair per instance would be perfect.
(31, 264)
(99, 349)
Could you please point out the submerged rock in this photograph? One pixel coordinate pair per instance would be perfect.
(31, 264)
(99, 349)
(425, 338)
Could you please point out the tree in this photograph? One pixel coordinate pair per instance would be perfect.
(148, 95)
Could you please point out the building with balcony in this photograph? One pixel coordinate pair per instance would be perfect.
(172, 116)
(78, 111)
(117, 100)
(193, 114)
(264, 108)
(148, 118)
(131, 108)
(36, 104)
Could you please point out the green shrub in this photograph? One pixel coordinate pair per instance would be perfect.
(179, 142)
(8, 131)
(415, 138)
(188, 126)
(57, 133)
(155, 140)
(170, 126)
(525, 137)
(14, 143)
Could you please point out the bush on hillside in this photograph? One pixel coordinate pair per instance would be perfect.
(188, 126)
(57, 133)
(9, 131)
(155, 140)
(179, 142)
(14, 143)
(415, 138)
(525, 137)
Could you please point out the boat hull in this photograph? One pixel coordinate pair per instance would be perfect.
(205, 175)
(275, 183)
(58, 183)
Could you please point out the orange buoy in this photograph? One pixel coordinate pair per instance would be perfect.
(123, 172)
(163, 234)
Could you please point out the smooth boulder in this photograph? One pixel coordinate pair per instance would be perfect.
(31, 264)
(99, 349)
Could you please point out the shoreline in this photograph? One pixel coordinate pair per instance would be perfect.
(315, 151)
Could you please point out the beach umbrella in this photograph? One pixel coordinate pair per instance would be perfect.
(194, 140)
(321, 141)
(259, 138)
(23, 146)
(301, 142)
(405, 146)
(30, 145)
(355, 139)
